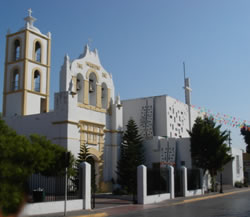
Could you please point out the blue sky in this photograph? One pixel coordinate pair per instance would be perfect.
(143, 44)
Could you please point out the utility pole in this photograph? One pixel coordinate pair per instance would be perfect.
(67, 162)
(229, 138)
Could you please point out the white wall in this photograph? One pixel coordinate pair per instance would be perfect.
(132, 109)
(33, 104)
(170, 116)
(178, 118)
(41, 124)
(183, 152)
(160, 116)
(152, 151)
(14, 104)
(153, 146)
(230, 174)
(51, 207)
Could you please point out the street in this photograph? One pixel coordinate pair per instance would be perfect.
(236, 205)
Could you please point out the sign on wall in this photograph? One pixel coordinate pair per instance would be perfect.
(167, 153)
(146, 120)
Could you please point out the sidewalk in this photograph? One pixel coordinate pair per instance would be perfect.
(117, 206)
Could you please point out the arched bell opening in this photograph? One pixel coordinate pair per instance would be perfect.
(79, 88)
(92, 89)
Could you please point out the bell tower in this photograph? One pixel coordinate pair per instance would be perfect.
(27, 71)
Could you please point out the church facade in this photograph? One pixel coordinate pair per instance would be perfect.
(86, 111)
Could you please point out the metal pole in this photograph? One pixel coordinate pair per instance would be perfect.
(221, 188)
(66, 191)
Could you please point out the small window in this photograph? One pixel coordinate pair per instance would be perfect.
(43, 106)
(38, 52)
(16, 50)
(15, 80)
(37, 81)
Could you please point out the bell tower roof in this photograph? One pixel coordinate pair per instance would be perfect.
(30, 22)
(29, 19)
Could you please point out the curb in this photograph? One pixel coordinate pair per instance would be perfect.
(210, 197)
(102, 214)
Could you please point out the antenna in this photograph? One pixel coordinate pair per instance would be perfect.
(184, 70)
(187, 95)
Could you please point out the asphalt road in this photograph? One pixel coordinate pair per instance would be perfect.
(236, 205)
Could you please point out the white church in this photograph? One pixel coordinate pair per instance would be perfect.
(86, 110)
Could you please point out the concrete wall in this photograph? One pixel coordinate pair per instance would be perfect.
(41, 124)
(170, 116)
(233, 171)
(13, 103)
(51, 207)
(153, 150)
(183, 153)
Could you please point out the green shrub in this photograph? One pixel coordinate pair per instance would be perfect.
(238, 184)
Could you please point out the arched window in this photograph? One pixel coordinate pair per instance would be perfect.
(79, 88)
(37, 81)
(16, 50)
(38, 52)
(15, 80)
(92, 89)
(104, 96)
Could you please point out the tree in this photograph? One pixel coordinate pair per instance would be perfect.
(49, 159)
(19, 158)
(82, 157)
(131, 156)
(246, 133)
(208, 148)
(16, 165)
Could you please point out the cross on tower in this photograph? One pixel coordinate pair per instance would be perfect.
(90, 40)
(29, 19)
(30, 11)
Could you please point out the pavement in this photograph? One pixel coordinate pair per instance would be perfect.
(119, 205)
